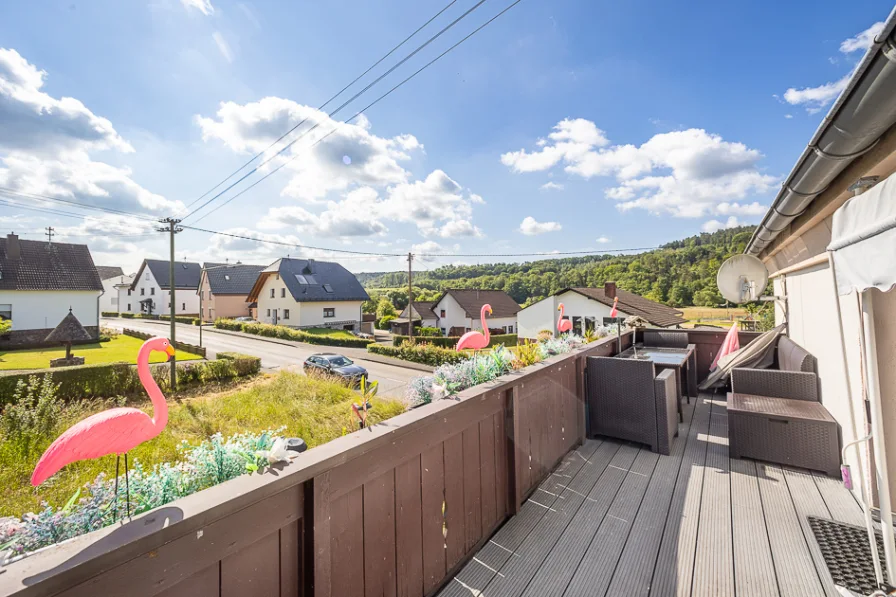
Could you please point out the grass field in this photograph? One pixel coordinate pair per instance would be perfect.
(721, 317)
(341, 334)
(317, 410)
(121, 348)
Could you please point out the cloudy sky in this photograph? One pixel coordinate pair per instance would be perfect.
(562, 126)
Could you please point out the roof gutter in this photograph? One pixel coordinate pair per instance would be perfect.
(864, 111)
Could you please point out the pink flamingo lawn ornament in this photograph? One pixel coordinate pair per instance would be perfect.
(614, 312)
(114, 431)
(476, 339)
(563, 325)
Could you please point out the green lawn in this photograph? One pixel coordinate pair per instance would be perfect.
(121, 348)
(317, 410)
(340, 334)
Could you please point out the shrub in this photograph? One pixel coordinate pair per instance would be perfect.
(188, 319)
(286, 333)
(544, 335)
(451, 341)
(110, 313)
(120, 379)
(427, 332)
(383, 322)
(34, 412)
(426, 354)
(127, 315)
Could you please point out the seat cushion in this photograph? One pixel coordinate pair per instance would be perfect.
(793, 357)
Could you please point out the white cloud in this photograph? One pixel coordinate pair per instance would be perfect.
(203, 6)
(551, 186)
(420, 250)
(716, 225)
(569, 140)
(532, 227)
(602, 240)
(863, 40)
(46, 146)
(351, 217)
(817, 98)
(223, 46)
(788, 116)
(688, 173)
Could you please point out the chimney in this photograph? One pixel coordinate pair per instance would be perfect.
(311, 266)
(13, 250)
(610, 290)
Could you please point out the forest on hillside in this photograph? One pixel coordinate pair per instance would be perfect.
(680, 274)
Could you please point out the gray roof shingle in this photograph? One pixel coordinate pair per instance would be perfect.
(109, 271)
(471, 301)
(186, 273)
(47, 266)
(232, 279)
(312, 280)
(634, 304)
(422, 310)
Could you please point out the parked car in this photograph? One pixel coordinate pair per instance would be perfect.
(330, 363)
(244, 318)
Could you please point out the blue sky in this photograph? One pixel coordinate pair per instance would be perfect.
(562, 126)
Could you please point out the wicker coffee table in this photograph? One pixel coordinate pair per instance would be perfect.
(799, 433)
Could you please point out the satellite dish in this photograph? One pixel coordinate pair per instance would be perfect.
(742, 278)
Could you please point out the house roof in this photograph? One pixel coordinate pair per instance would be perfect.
(68, 330)
(471, 301)
(312, 280)
(633, 304)
(422, 310)
(46, 266)
(109, 271)
(186, 273)
(232, 279)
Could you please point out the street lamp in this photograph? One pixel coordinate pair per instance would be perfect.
(202, 292)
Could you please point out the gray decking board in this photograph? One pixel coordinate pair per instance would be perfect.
(515, 575)
(793, 563)
(635, 568)
(753, 565)
(596, 569)
(714, 559)
(477, 573)
(807, 501)
(674, 568)
(673, 538)
(559, 567)
(841, 504)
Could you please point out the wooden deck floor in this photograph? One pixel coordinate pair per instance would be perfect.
(616, 519)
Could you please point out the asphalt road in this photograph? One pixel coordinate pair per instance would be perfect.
(393, 379)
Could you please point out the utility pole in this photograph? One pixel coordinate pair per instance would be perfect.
(410, 299)
(50, 231)
(172, 229)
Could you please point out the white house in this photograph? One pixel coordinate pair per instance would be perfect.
(39, 283)
(420, 312)
(587, 307)
(150, 288)
(458, 311)
(308, 293)
(115, 289)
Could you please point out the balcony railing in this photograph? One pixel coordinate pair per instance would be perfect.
(395, 510)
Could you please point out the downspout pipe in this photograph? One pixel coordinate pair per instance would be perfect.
(864, 111)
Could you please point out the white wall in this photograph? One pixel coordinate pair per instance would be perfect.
(543, 315)
(300, 313)
(44, 309)
(109, 298)
(186, 299)
(455, 316)
(313, 312)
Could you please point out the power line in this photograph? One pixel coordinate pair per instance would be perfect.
(353, 98)
(373, 103)
(324, 105)
(19, 194)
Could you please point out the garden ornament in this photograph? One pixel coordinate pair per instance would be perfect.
(115, 431)
(474, 339)
(614, 312)
(563, 325)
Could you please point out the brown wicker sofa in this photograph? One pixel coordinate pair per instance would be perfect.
(628, 400)
(776, 414)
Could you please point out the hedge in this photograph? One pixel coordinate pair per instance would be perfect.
(426, 354)
(284, 333)
(189, 319)
(119, 379)
(191, 348)
(451, 341)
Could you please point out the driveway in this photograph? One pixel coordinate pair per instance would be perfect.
(274, 354)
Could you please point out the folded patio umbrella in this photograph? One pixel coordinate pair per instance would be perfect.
(729, 345)
(758, 354)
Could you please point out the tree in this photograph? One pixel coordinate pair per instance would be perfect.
(385, 308)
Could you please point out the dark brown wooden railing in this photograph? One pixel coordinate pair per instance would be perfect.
(395, 510)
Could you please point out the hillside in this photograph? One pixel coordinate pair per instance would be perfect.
(680, 274)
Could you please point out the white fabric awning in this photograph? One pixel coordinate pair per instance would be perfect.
(863, 240)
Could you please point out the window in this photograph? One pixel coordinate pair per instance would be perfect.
(5, 312)
(183, 306)
(269, 312)
(329, 311)
(285, 313)
(147, 276)
(152, 291)
(328, 288)
(442, 330)
(283, 292)
(129, 306)
(129, 292)
(272, 292)
(142, 291)
(301, 279)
